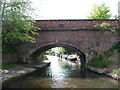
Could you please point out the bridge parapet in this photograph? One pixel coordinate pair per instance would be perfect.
(73, 24)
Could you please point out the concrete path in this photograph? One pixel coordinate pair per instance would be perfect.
(6, 75)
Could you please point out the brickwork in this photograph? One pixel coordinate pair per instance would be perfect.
(84, 42)
(72, 24)
(77, 35)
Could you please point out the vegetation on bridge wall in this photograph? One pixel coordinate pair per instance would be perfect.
(86, 24)
(99, 62)
(103, 60)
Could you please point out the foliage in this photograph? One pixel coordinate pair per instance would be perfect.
(8, 49)
(99, 62)
(116, 71)
(61, 50)
(17, 24)
(50, 52)
(102, 25)
(114, 48)
(67, 51)
(100, 12)
(42, 57)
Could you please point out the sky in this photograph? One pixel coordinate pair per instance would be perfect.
(69, 9)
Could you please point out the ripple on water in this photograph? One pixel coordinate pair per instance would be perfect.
(71, 83)
(64, 75)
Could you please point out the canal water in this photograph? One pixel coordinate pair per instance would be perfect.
(63, 74)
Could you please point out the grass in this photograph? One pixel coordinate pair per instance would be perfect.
(99, 62)
(9, 65)
(116, 71)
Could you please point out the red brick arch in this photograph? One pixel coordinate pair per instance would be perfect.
(74, 34)
(37, 52)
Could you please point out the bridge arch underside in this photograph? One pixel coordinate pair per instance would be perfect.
(37, 52)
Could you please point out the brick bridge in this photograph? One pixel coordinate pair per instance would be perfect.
(59, 33)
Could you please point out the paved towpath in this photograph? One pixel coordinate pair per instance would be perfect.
(6, 75)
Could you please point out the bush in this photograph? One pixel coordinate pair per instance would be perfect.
(102, 25)
(99, 62)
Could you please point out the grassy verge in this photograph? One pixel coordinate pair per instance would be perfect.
(116, 71)
(9, 65)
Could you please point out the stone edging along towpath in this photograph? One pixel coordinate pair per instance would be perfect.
(8, 75)
(104, 71)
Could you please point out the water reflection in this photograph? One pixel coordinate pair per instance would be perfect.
(55, 70)
(63, 74)
(62, 68)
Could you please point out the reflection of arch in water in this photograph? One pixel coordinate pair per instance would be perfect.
(82, 56)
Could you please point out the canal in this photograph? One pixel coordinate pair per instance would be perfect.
(63, 74)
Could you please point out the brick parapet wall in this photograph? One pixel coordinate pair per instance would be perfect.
(73, 24)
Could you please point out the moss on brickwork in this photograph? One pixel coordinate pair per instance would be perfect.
(99, 61)
(114, 48)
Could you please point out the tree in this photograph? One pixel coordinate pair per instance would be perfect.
(17, 24)
(100, 12)
(67, 51)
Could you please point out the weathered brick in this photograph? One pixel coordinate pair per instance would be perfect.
(73, 24)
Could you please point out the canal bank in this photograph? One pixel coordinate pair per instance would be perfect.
(107, 71)
(104, 71)
(62, 74)
(21, 71)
